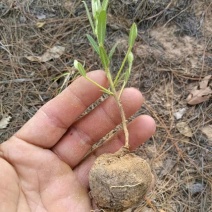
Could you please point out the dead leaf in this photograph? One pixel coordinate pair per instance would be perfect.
(40, 24)
(195, 188)
(34, 58)
(179, 114)
(69, 6)
(41, 16)
(184, 129)
(167, 167)
(201, 93)
(4, 121)
(207, 130)
(54, 52)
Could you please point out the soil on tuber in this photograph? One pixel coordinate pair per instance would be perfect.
(119, 181)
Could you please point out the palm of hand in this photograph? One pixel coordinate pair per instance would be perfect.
(39, 181)
(42, 166)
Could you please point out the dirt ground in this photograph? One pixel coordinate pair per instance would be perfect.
(173, 54)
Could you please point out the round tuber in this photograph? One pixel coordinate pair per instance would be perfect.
(119, 181)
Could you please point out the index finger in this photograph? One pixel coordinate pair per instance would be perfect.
(52, 120)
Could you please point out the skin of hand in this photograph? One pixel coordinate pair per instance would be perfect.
(42, 166)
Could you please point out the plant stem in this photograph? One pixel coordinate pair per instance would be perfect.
(120, 106)
(122, 65)
(103, 89)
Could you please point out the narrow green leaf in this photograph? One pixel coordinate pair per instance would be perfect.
(128, 71)
(80, 68)
(93, 43)
(107, 92)
(89, 16)
(122, 65)
(104, 57)
(127, 75)
(120, 80)
(130, 58)
(99, 5)
(105, 4)
(93, 6)
(112, 50)
(126, 78)
(101, 26)
(96, 7)
(130, 62)
(133, 35)
(98, 85)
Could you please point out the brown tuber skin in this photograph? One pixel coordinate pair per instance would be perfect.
(119, 181)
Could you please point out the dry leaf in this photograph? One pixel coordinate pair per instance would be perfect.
(201, 93)
(69, 6)
(184, 129)
(41, 16)
(195, 188)
(34, 58)
(179, 114)
(207, 130)
(54, 52)
(40, 24)
(167, 167)
(4, 121)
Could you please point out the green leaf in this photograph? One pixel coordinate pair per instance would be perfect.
(122, 65)
(127, 75)
(130, 62)
(99, 6)
(80, 68)
(104, 57)
(98, 85)
(130, 58)
(93, 43)
(93, 6)
(128, 71)
(101, 27)
(89, 16)
(133, 35)
(105, 4)
(107, 92)
(96, 7)
(112, 50)
(119, 81)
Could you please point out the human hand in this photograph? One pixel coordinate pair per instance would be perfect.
(43, 166)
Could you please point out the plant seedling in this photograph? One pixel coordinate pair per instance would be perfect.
(98, 25)
(117, 181)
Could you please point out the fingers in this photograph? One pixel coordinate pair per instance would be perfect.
(49, 124)
(84, 133)
(38, 180)
(140, 130)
